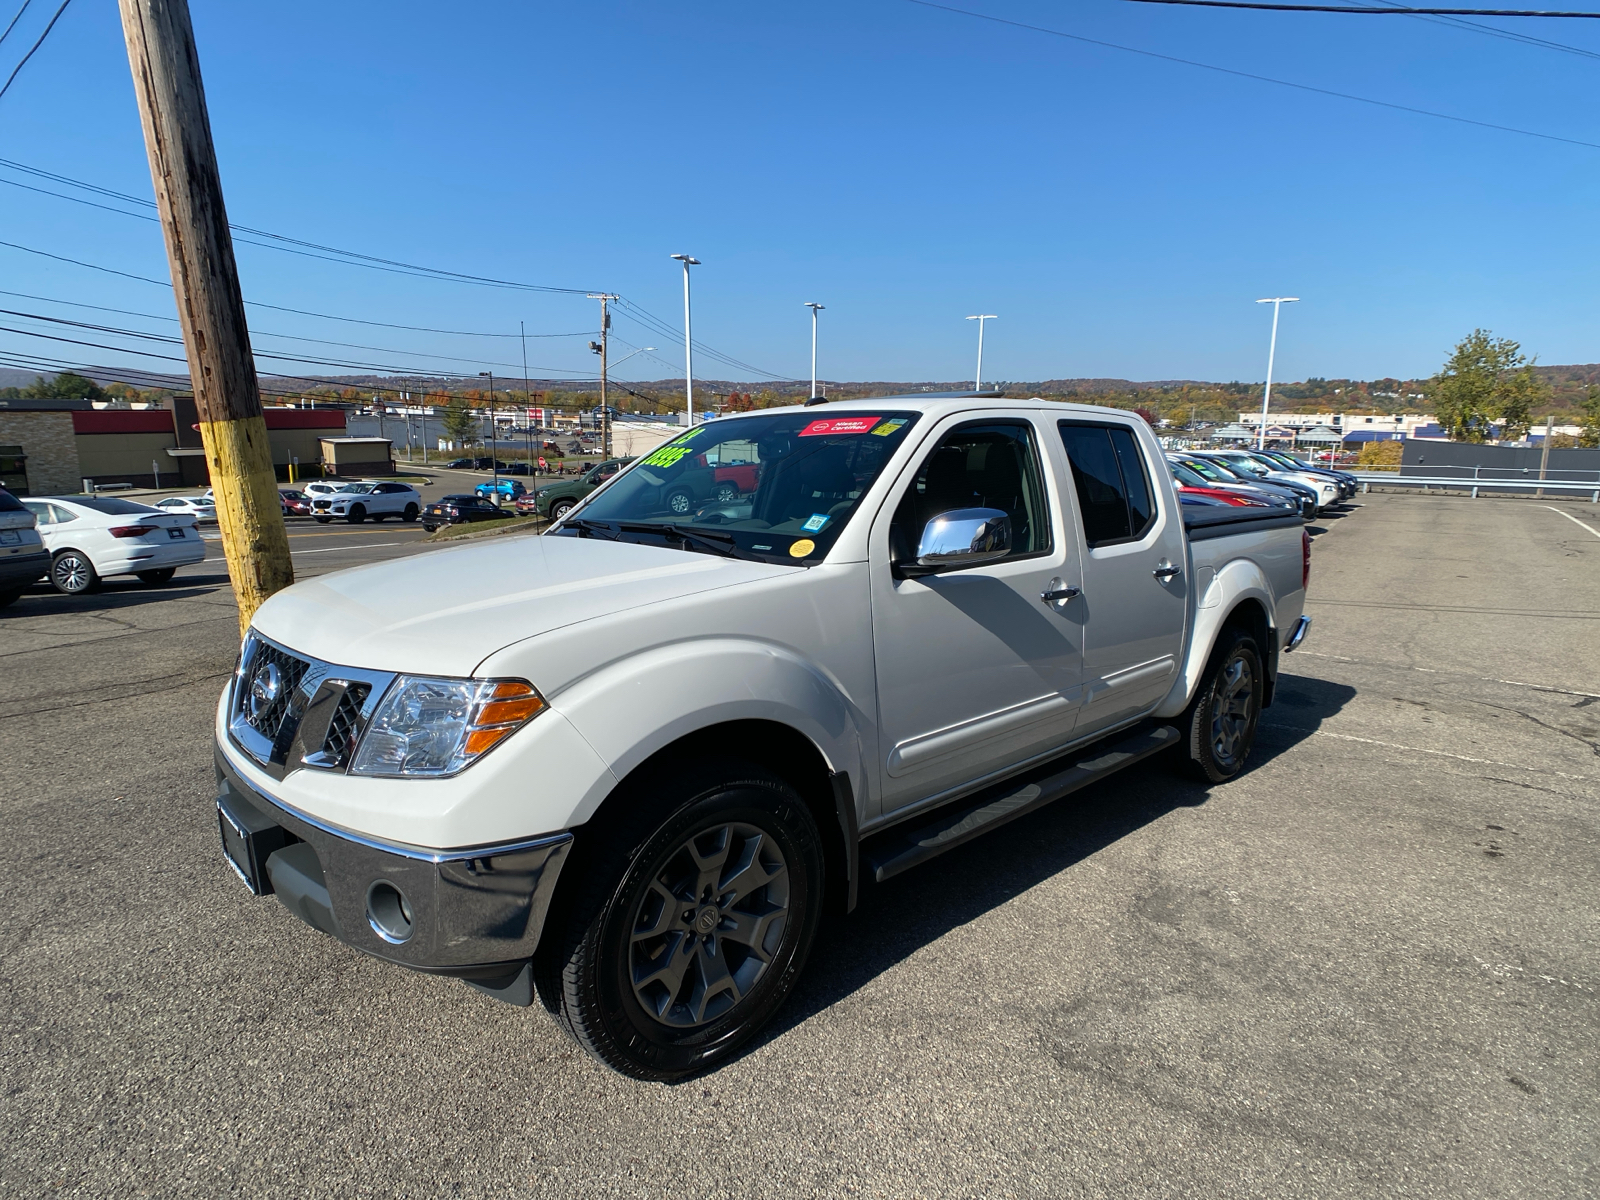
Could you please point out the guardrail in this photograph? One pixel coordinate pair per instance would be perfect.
(1459, 483)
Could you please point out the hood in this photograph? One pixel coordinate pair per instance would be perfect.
(443, 612)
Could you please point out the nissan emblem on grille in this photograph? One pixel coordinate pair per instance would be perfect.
(265, 685)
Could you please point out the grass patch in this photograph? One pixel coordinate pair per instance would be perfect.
(488, 529)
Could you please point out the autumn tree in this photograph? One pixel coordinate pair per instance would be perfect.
(1589, 419)
(460, 421)
(1486, 381)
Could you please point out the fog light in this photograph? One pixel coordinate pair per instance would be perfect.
(389, 912)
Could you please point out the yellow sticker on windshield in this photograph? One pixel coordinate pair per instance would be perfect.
(802, 548)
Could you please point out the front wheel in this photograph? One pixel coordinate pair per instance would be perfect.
(357, 514)
(73, 574)
(1220, 725)
(684, 940)
(157, 577)
(323, 520)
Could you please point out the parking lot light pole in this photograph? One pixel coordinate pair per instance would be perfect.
(1277, 302)
(494, 438)
(688, 341)
(980, 318)
(815, 309)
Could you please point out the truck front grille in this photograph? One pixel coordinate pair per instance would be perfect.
(266, 699)
(337, 745)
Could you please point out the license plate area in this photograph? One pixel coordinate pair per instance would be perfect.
(175, 533)
(10, 537)
(249, 838)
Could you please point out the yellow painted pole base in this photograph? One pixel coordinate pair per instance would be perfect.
(249, 513)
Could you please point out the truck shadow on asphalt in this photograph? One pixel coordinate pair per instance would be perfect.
(112, 594)
(894, 920)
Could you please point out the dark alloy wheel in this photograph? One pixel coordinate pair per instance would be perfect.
(1220, 726)
(410, 514)
(560, 509)
(157, 577)
(72, 572)
(357, 514)
(676, 952)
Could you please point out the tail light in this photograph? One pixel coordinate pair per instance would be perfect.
(127, 531)
(1305, 558)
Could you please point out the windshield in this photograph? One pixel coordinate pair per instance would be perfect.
(1188, 477)
(360, 489)
(776, 488)
(1210, 471)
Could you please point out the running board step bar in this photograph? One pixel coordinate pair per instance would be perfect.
(1012, 799)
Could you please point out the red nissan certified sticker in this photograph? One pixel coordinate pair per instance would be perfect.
(837, 425)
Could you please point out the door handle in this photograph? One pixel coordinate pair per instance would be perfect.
(1055, 594)
(1166, 571)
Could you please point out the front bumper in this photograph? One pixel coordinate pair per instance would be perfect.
(475, 913)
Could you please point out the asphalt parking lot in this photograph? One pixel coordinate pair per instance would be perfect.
(1369, 966)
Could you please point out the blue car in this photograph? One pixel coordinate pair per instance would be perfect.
(500, 490)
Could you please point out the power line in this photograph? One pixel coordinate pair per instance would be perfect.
(1302, 87)
(15, 19)
(1379, 12)
(34, 47)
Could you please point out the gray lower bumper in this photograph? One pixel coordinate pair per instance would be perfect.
(475, 913)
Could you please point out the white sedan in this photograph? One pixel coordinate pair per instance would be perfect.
(201, 508)
(91, 537)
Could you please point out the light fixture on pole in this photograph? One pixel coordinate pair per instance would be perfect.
(1277, 302)
(494, 436)
(815, 309)
(688, 341)
(980, 318)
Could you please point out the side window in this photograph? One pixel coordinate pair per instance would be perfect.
(1108, 472)
(59, 515)
(40, 511)
(987, 465)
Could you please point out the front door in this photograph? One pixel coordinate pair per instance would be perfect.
(1134, 603)
(975, 672)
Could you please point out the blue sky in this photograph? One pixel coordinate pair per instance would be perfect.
(903, 165)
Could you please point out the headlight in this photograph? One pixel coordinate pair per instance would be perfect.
(431, 727)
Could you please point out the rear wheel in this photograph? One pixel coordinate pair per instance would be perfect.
(687, 936)
(410, 514)
(357, 514)
(10, 597)
(727, 493)
(157, 577)
(72, 573)
(1220, 725)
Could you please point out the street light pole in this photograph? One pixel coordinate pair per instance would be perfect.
(980, 318)
(1277, 302)
(688, 341)
(494, 438)
(815, 309)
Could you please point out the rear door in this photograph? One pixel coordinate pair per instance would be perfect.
(976, 672)
(1135, 596)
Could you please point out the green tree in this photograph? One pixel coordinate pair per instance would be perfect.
(68, 385)
(1589, 419)
(1488, 380)
(460, 422)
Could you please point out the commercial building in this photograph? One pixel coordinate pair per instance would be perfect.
(61, 446)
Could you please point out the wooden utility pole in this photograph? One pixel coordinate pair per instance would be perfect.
(183, 166)
(605, 299)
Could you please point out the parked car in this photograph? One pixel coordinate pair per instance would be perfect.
(93, 537)
(295, 504)
(322, 487)
(555, 500)
(459, 464)
(517, 468)
(356, 502)
(1219, 471)
(508, 489)
(933, 615)
(1347, 482)
(23, 559)
(459, 510)
(202, 508)
(1190, 483)
(1259, 465)
(488, 464)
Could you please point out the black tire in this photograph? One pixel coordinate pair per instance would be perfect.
(561, 508)
(426, 528)
(10, 597)
(357, 514)
(410, 514)
(323, 520)
(727, 493)
(684, 999)
(680, 502)
(1219, 727)
(157, 577)
(72, 574)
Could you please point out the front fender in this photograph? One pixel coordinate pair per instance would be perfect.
(636, 706)
(1238, 582)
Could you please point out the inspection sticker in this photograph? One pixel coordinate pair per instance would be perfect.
(837, 425)
(890, 428)
(815, 522)
(802, 548)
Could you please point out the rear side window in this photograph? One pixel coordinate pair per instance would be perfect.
(1114, 493)
(112, 506)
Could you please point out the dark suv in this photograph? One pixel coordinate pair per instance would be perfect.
(23, 558)
(554, 500)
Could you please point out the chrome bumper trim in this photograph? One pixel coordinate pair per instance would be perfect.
(1297, 634)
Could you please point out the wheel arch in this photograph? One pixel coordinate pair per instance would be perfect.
(1239, 596)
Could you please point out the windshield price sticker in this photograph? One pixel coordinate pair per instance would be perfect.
(833, 426)
(666, 456)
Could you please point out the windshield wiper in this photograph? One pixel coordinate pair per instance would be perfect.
(587, 527)
(717, 543)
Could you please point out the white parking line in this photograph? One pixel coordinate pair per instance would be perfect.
(1573, 519)
(1487, 762)
(357, 546)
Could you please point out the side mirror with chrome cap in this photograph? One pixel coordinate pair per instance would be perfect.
(962, 537)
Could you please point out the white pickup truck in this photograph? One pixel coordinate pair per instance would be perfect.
(624, 767)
